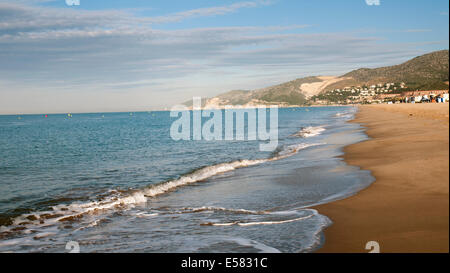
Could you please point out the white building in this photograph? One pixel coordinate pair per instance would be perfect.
(364, 93)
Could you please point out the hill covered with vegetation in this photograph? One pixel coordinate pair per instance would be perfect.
(429, 71)
(426, 72)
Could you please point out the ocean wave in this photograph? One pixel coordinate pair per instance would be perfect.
(124, 200)
(349, 114)
(310, 213)
(221, 209)
(310, 131)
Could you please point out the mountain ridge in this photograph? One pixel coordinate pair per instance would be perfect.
(428, 71)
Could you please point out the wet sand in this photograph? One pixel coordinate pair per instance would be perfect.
(407, 208)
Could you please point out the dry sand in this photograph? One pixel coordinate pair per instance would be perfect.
(407, 208)
(312, 89)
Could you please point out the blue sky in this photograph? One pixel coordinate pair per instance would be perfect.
(120, 55)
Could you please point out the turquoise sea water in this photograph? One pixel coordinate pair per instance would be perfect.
(117, 182)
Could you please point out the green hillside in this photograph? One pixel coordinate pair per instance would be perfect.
(429, 71)
(288, 92)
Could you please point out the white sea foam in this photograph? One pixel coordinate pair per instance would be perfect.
(240, 211)
(310, 131)
(349, 114)
(200, 175)
(210, 171)
(43, 235)
(239, 223)
(320, 222)
(144, 214)
(128, 200)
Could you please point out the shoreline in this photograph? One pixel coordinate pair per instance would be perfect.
(406, 209)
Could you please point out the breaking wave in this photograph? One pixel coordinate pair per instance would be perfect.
(128, 199)
(310, 131)
(349, 114)
(270, 217)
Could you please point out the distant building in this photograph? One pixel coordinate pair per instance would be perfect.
(364, 93)
(423, 93)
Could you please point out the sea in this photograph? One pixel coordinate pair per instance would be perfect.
(118, 182)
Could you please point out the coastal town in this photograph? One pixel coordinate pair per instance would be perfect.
(379, 93)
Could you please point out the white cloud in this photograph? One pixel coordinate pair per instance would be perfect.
(114, 59)
(212, 11)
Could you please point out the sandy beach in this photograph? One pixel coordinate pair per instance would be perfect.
(407, 208)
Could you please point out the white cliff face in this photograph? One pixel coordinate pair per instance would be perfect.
(213, 103)
(254, 99)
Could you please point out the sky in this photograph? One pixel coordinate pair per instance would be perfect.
(140, 55)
